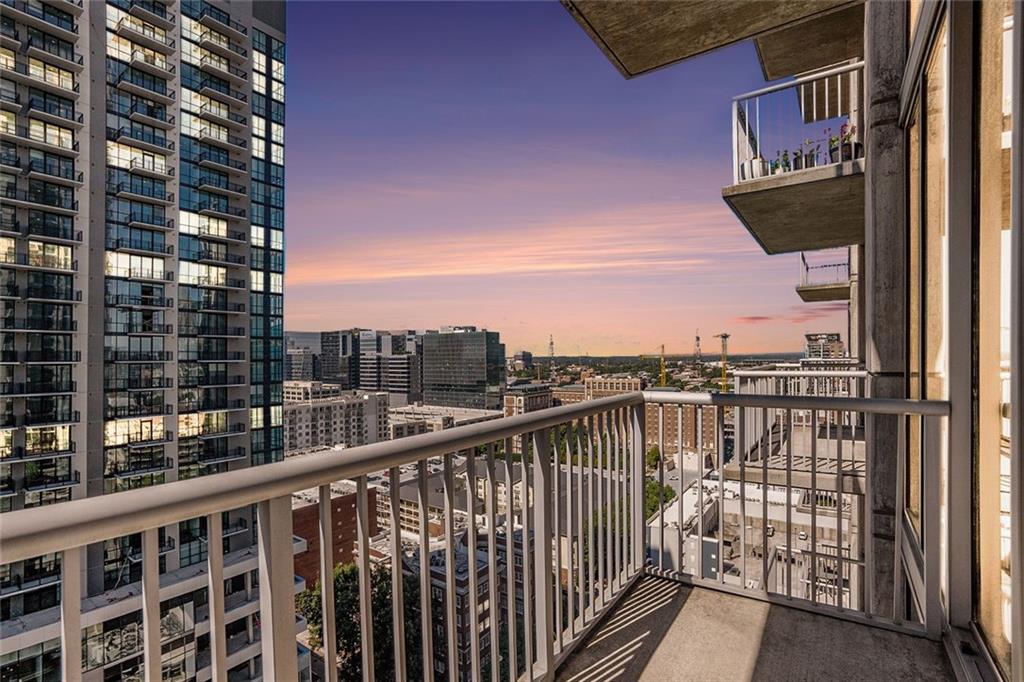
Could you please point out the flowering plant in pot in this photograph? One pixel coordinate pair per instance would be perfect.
(842, 147)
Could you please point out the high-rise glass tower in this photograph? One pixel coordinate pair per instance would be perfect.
(142, 248)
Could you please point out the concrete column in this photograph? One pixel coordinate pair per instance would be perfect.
(883, 276)
(855, 331)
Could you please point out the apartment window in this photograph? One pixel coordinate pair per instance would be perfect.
(992, 439)
(927, 248)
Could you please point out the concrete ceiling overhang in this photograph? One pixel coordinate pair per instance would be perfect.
(640, 36)
(827, 39)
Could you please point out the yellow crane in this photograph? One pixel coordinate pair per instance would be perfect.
(725, 359)
(662, 374)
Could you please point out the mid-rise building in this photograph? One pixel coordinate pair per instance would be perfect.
(141, 237)
(568, 394)
(350, 419)
(825, 346)
(523, 398)
(463, 367)
(602, 387)
(306, 525)
(300, 391)
(438, 417)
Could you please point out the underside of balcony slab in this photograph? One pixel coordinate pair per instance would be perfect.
(817, 293)
(638, 37)
(806, 210)
(664, 630)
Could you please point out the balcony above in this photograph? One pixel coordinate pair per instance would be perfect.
(640, 37)
(824, 281)
(798, 162)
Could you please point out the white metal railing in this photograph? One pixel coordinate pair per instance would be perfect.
(807, 122)
(823, 273)
(579, 524)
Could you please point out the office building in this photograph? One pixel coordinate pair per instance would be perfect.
(339, 357)
(299, 391)
(350, 419)
(523, 398)
(302, 364)
(602, 387)
(463, 367)
(141, 239)
(390, 362)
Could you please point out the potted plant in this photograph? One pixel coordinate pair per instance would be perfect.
(842, 147)
(798, 159)
(751, 169)
(811, 153)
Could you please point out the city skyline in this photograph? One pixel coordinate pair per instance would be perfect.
(455, 174)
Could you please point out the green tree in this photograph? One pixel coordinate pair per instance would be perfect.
(654, 494)
(653, 455)
(349, 628)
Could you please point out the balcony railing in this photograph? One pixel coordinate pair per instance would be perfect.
(823, 274)
(586, 527)
(808, 122)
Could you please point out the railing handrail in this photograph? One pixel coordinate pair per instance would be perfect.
(801, 80)
(27, 533)
(824, 373)
(931, 408)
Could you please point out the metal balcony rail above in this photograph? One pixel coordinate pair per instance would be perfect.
(824, 273)
(811, 121)
(583, 525)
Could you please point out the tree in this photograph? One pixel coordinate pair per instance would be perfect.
(652, 458)
(348, 626)
(655, 494)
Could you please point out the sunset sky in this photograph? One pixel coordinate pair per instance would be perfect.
(483, 163)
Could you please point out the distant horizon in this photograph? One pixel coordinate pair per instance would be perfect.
(710, 353)
(484, 161)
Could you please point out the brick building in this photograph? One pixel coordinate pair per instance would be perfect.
(306, 524)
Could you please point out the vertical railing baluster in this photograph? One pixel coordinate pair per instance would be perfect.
(616, 531)
(451, 619)
(814, 507)
(765, 451)
(602, 510)
(720, 471)
(426, 601)
(901, 483)
(510, 563)
(151, 605)
(528, 539)
(931, 531)
(471, 567)
(629, 474)
(491, 489)
(661, 486)
(556, 452)
(71, 613)
(681, 489)
(789, 503)
(397, 578)
(699, 441)
(578, 527)
(542, 556)
(215, 597)
(363, 513)
(741, 424)
(839, 511)
(639, 440)
(570, 553)
(591, 497)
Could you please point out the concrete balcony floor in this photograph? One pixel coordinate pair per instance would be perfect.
(664, 630)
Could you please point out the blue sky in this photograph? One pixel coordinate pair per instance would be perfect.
(483, 163)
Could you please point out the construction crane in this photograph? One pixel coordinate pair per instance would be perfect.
(662, 374)
(725, 359)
